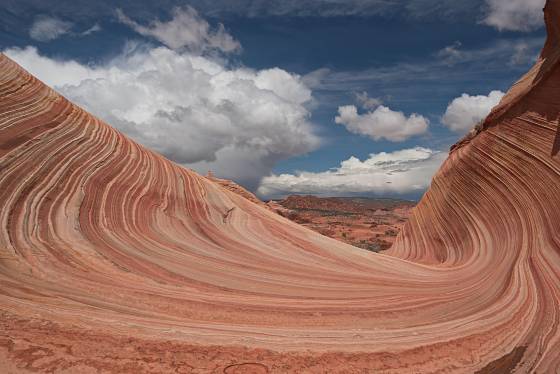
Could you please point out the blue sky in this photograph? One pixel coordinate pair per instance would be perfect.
(328, 97)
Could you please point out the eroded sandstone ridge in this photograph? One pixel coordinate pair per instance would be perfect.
(113, 259)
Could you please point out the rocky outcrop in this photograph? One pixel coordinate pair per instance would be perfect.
(114, 259)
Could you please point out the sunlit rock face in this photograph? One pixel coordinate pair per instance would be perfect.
(114, 259)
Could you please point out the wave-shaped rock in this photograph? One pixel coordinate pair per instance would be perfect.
(114, 259)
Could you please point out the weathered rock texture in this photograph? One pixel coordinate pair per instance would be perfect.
(113, 259)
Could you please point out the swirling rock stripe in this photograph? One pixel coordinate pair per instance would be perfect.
(114, 259)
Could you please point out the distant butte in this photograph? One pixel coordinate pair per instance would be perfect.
(367, 223)
(116, 260)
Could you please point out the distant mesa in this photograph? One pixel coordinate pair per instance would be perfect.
(368, 223)
(114, 259)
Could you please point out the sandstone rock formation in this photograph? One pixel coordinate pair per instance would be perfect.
(114, 259)
(234, 187)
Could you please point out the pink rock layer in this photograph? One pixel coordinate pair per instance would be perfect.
(116, 260)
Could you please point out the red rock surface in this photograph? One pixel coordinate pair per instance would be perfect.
(115, 260)
(235, 188)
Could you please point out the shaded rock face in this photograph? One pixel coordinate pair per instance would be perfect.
(114, 259)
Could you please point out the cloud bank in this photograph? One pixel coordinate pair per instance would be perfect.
(403, 172)
(186, 29)
(515, 15)
(46, 28)
(382, 123)
(366, 102)
(464, 112)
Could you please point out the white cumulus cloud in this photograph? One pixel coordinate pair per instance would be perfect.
(382, 123)
(47, 28)
(515, 15)
(464, 112)
(186, 29)
(407, 171)
(194, 110)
